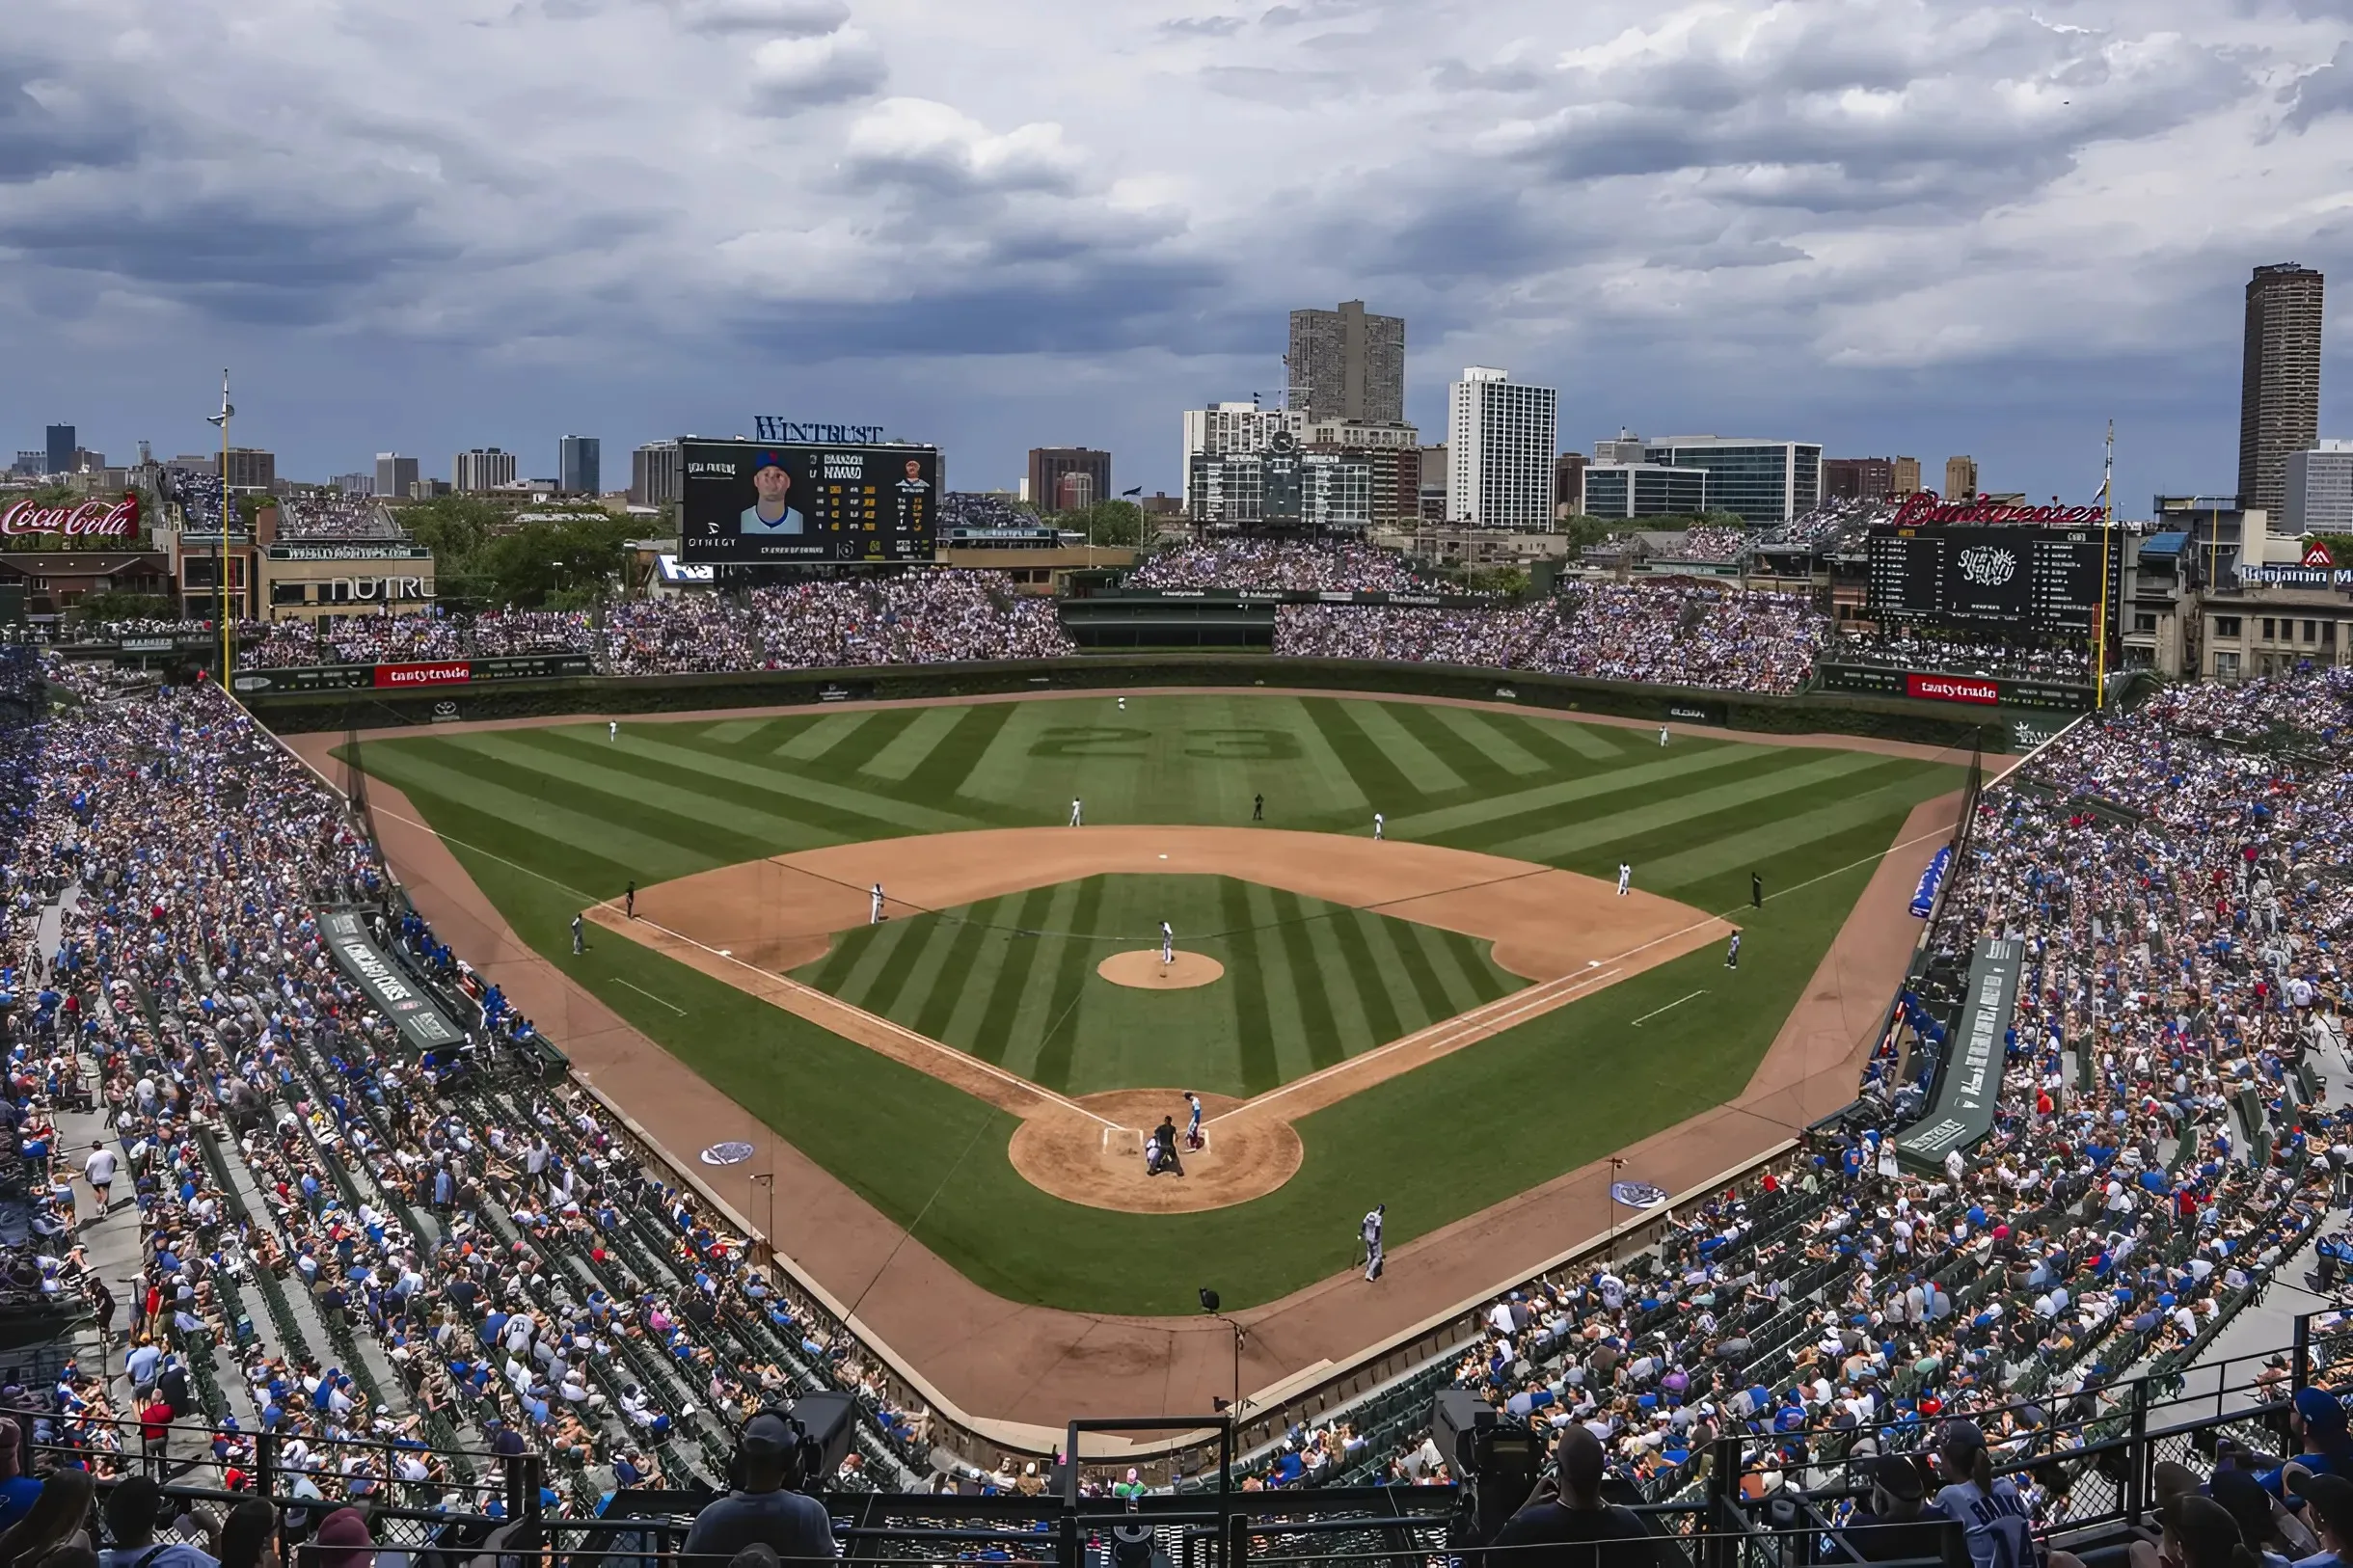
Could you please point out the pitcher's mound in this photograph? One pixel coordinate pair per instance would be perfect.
(1144, 970)
(1079, 1158)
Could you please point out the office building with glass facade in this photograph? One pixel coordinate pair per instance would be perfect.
(1763, 481)
(1644, 490)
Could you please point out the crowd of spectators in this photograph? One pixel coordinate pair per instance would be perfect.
(1959, 653)
(2162, 1149)
(1290, 565)
(337, 517)
(921, 618)
(1670, 631)
(405, 1268)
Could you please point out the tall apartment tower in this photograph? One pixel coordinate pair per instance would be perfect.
(2279, 395)
(1960, 477)
(1501, 438)
(478, 469)
(654, 473)
(1345, 364)
(395, 475)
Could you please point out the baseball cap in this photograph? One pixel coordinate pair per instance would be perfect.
(2319, 1409)
(767, 460)
(1963, 1435)
(1900, 1476)
(767, 1434)
(2331, 1498)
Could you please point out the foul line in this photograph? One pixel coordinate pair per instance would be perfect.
(649, 996)
(1669, 1008)
(889, 1026)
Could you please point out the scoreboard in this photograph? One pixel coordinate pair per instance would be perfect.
(748, 502)
(2042, 580)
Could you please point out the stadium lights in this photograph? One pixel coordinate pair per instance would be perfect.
(1209, 1305)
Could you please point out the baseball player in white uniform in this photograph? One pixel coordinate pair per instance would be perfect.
(1370, 1232)
(1193, 1139)
(1078, 812)
(1167, 944)
(1379, 822)
(1625, 877)
(1663, 735)
(612, 729)
(874, 910)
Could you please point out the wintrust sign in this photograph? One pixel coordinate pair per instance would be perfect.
(1950, 688)
(454, 672)
(89, 520)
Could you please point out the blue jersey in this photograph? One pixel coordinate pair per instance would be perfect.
(2001, 1533)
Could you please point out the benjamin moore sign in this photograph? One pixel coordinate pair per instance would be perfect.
(400, 1000)
(1961, 1114)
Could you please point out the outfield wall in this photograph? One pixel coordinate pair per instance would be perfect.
(1848, 713)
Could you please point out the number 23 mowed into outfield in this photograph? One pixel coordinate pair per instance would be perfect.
(1455, 1012)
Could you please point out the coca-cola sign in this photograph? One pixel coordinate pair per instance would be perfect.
(85, 519)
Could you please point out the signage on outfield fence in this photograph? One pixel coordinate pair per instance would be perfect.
(1298, 596)
(1700, 713)
(1930, 685)
(1636, 1194)
(415, 676)
(399, 997)
(1961, 1112)
(731, 1153)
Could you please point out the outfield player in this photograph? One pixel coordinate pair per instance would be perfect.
(1378, 822)
(874, 907)
(1369, 1231)
(1257, 808)
(1167, 944)
(1078, 812)
(1663, 735)
(1625, 877)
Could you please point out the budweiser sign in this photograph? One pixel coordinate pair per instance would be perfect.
(88, 520)
(453, 672)
(1925, 507)
(1950, 688)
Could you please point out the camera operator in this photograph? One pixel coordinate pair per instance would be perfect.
(1566, 1525)
(762, 1509)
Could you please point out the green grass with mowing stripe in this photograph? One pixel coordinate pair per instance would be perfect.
(547, 820)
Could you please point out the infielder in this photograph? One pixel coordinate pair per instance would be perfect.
(1732, 952)
(1378, 820)
(579, 946)
(874, 908)
(1078, 812)
(1167, 944)
(1370, 1232)
(1625, 877)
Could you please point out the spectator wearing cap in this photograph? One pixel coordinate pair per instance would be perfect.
(2318, 1422)
(1567, 1525)
(343, 1541)
(760, 1508)
(1897, 1524)
(2330, 1496)
(1994, 1518)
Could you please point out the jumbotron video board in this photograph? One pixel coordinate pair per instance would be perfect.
(2042, 580)
(777, 504)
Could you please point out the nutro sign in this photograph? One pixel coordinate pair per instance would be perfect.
(88, 520)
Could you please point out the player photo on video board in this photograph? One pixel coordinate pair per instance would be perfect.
(750, 503)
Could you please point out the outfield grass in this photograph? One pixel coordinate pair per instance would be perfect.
(549, 819)
(1307, 984)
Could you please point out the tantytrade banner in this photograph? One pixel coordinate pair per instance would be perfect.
(419, 1021)
(1961, 1114)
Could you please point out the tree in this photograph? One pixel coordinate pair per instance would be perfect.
(1106, 523)
(115, 604)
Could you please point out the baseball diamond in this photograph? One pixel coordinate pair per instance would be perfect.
(901, 1058)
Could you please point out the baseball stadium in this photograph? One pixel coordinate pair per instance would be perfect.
(1271, 1033)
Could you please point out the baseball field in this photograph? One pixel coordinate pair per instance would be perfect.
(1460, 1011)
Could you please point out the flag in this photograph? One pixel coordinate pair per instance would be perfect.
(1137, 491)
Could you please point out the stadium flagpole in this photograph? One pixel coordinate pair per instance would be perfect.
(220, 549)
(2107, 524)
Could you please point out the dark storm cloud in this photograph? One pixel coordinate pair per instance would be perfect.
(47, 124)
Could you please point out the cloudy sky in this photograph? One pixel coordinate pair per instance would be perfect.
(1915, 225)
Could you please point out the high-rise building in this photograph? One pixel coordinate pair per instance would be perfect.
(1857, 478)
(1904, 479)
(2319, 490)
(28, 464)
(1432, 490)
(1048, 466)
(654, 473)
(395, 475)
(2279, 392)
(1501, 438)
(1644, 490)
(1624, 447)
(61, 445)
(579, 466)
(481, 468)
(251, 471)
(1231, 427)
(1765, 482)
(355, 485)
(1960, 477)
(1569, 485)
(1345, 364)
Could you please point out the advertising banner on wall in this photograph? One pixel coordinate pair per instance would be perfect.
(413, 677)
(1961, 1113)
(1931, 685)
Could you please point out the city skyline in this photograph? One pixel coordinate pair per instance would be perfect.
(1893, 228)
